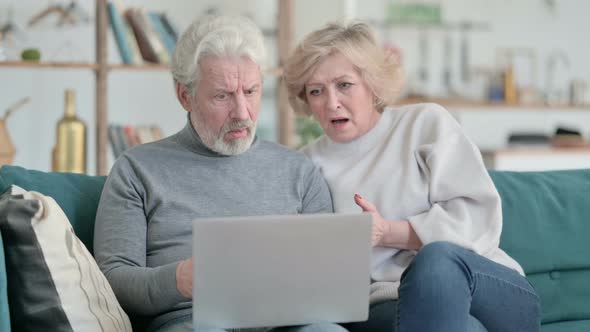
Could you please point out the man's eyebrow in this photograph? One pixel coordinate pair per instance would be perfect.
(218, 90)
(218, 86)
(253, 86)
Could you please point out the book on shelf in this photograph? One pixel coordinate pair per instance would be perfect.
(116, 140)
(156, 21)
(141, 35)
(123, 137)
(151, 47)
(124, 37)
(170, 28)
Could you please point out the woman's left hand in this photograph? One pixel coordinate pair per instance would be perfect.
(381, 227)
(389, 233)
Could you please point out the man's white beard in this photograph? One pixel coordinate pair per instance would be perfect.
(218, 144)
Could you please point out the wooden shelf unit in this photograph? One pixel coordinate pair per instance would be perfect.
(144, 67)
(285, 33)
(93, 66)
(499, 106)
(159, 67)
(35, 65)
(102, 68)
(285, 117)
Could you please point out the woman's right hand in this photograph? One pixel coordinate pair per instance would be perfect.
(184, 277)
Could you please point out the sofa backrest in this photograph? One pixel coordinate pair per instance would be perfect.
(76, 194)
(547, 229)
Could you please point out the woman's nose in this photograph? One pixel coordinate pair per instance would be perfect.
(333, 102)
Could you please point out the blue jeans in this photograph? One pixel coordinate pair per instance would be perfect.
(449, 288)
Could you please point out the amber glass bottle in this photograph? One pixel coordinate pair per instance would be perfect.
(69, 154)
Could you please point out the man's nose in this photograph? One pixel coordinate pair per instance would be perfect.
(240, 109)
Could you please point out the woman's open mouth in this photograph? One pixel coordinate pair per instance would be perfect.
(340, 122)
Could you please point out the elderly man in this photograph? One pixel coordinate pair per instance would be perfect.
(214, 166)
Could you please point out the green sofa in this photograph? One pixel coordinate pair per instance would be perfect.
(546, 228)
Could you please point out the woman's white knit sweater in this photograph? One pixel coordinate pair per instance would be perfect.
(416, 164)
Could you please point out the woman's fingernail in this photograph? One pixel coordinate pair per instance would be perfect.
(358, 196)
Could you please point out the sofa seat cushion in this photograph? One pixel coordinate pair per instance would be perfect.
(567, 326)
(54, 283)
(564, 295)
(546, 228)
(76, 194)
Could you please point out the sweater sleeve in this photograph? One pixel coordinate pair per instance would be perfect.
(120, 235)
(465, 207)
(316, 195)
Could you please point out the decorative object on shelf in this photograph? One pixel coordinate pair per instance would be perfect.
(7, 149)
(10, 28)
(496, 87)
(70, 13)
(555, 85)
(31, 54)
(568, 138)
(69, 154)
(414, 13)
(519, 71)
(10, 36)
(577, 92)
(510, 96)
(528, 139)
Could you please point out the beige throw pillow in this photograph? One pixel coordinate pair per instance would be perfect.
(54, 283)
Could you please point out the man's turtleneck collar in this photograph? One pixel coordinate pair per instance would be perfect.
(189, 138)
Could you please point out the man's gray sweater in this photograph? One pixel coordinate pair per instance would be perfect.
(154, 191)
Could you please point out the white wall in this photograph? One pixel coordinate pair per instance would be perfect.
(524, 24)
(147, 97)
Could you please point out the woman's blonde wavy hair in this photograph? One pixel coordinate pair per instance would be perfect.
(356, 41)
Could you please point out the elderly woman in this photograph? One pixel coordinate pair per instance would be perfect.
(437, 216)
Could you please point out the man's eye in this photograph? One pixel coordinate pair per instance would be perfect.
(250, 92)
(221, 96)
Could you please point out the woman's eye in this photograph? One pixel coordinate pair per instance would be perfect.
(314, 92)
(345, 85)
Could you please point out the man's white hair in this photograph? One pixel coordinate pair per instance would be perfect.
(219, 36)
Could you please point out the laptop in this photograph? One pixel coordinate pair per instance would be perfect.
(282, 270)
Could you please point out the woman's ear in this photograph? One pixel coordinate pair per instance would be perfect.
(184, 95)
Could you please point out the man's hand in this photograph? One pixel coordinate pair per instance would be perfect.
(184, 278)
(381, 227)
